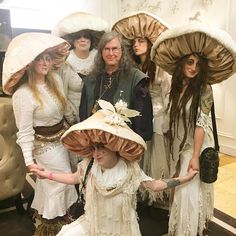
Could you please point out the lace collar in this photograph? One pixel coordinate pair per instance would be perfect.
(83, 66)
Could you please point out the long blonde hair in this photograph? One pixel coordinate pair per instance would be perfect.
(51, 85)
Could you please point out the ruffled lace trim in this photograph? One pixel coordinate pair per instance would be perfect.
(82, 66)
(206, 206)
(206, 211)
(44, 89)
(204, 121)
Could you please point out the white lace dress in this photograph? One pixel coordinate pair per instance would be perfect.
(51, 199)
(193, 201)
(110, 201)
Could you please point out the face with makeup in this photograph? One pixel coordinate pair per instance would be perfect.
(82, 44)
(140, 46)
(191, 66)
(42, 64)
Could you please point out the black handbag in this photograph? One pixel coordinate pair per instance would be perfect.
(77, 208)
(209, 158)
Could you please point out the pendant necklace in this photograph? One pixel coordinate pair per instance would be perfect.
(106, 88)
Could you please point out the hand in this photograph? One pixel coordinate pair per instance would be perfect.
(191, 173)
(194, 164)
(34, 166)
(40, 173)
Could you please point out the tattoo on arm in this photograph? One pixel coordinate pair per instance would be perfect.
(171, 183)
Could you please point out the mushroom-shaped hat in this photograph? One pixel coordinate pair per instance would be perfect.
(210, 42)
(140, 24)
(70, 26)
(107, 127)
(23, 49)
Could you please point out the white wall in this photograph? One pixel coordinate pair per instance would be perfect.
(44, 14)
(226, 96)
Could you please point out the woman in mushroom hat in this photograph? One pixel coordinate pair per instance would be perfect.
(83, 31)
(39, 104)
(141, 29)
(115, 174)
(196, 56)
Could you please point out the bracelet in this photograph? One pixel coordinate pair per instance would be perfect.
(50, 176)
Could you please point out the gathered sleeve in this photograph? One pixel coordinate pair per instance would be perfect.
(143, 190)
(204, 119)
(206, 102)
(23, 108)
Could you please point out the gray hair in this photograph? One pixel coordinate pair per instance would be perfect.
(99, 64)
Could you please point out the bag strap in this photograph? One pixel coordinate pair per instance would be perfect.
(81, 195)
(213, 118)
(86, 173)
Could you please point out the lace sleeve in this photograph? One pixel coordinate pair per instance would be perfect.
(203, 119)
(206, 100)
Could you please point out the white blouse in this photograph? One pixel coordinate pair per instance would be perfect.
(30, 113)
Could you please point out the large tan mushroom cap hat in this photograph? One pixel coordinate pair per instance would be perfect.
(106, 127)
(140, 24)
(210, 42)
(70, 25)
(23, 49)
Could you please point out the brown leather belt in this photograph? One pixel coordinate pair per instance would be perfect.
(49, 130)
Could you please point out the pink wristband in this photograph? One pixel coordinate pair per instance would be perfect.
(50, 176)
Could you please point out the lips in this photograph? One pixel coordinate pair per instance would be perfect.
(192, 72)
(83, 44)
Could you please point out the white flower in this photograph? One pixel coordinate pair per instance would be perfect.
(121, 106)
(119, 113)
(115, 119)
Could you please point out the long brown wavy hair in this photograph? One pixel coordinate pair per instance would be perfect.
(99, 64)
(177, 104)
(149, 66)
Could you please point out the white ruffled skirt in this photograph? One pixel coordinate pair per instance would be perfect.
(52, 199)
(192, 205)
